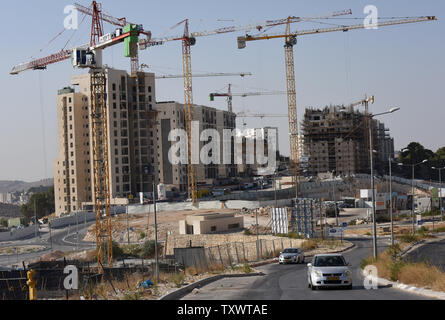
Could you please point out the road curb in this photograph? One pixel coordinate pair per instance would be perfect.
(404, 287)
(418, 244)
(178, 294)
(274, 260)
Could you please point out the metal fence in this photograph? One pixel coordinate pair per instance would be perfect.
(237, 253)
(50, 278)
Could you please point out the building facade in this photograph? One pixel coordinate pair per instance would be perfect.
(336, 139)
(132, 140)
(170, 116)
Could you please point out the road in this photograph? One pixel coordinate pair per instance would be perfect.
(434, 253)
(61, 240)
(289, 282)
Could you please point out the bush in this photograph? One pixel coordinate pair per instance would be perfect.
(440, 229)
(408, 238)
(396, 269)
(142, 235)
(309, 245)
(366, 262)
(117, 251)
(148, 249)
(247, 268)
(132, 250)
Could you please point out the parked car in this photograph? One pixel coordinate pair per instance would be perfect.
(329, 270)
(291, 255)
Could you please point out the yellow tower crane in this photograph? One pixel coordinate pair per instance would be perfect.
(290, 42)
(89, 56)
(188, 40)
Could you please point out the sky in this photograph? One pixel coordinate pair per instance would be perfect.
(401, 65)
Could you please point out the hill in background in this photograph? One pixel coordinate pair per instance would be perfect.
(13, 186)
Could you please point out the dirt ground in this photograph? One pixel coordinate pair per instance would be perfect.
(143, 225)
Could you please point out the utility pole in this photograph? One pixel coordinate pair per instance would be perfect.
(128, 225)
(390, 201)
(412, 203)
(440, 190)
(275, 188)
(50, 236)
(77, 231)
(371, 155)
(413, 165)
(156, 234)
(321, 219)
(35, 219)
(335, 202)
(257, 236)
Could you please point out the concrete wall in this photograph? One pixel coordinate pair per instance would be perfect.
(18, 234)
(187, 206)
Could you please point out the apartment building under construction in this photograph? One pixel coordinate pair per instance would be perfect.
(131, 133)
(336, 139)
(170, 116)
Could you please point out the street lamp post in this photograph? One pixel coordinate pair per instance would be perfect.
(440, 190)
(412, 186)
(371, 155)
(390, 201)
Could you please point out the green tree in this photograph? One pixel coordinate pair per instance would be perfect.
(42, 203)
(416, 153)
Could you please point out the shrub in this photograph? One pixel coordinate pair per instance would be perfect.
(408, 238)
(247, 268)
(142, 235)
(366, 262)
(148, 249)
(396, 269)
(132, 250)
(440, 229)
(309, 245)
(177, 279)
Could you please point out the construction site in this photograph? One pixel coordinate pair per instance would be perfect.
(126, 215)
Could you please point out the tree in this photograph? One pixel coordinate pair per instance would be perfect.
(42, 203)
(416, 153)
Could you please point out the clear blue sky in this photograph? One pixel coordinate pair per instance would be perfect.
(401, 65)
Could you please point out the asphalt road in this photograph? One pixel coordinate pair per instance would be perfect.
(433, 253)
(289, 282)
(61, 240)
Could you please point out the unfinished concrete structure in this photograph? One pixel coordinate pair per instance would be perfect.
(132, 161)
(170, 116)
(209, 223)
(335, 139)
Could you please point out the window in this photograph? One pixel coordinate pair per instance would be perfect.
(213, 229)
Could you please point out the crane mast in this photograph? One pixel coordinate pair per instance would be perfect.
(99, 121)
(187, 42)
(292, 104)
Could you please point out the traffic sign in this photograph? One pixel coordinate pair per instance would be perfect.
(344, 225)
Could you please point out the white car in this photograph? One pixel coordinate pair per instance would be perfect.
(329, 270)
(291, 255)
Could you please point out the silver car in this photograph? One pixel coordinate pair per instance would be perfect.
(291, 255)
(329, 270)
